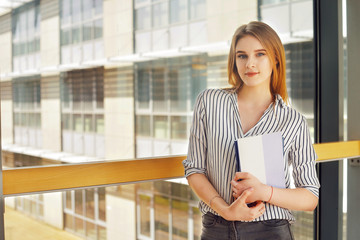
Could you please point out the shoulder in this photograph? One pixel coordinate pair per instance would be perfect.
(214, 94)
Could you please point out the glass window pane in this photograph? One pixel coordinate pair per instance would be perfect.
(161, 127)
(179, 81)
(162, 206)
(69, 222)
(160, 15)
(102, 204)
(68, 204)
(197, 223)
(142, 18)
(76, 34)
(77, 123)
(90, 203)
(88, 123)
(197, 9)
(179, 127)
(79, 226)
(87, 6)
(98, 5)
(143, 89)
(100, 124)
(87, 31)
(101, 233)
(143, 126)
(180, 219)
(144, 202)
(79, 203)
(178, 11)
(90, 230)
(76, 11)
(98, 29)
(158, 91)
(65, 36)
(65, 12)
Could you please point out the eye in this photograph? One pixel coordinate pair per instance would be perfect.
(242, 56)
(260, 54)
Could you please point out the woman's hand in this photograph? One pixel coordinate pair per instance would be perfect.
(244, 180)
(239, 211)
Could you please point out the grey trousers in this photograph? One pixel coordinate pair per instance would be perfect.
(217, 228)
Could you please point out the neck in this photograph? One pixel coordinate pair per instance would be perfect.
(255, 95)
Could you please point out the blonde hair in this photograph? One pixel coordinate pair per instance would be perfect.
(275, 50)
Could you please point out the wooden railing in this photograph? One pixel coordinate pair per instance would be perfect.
(54, 178)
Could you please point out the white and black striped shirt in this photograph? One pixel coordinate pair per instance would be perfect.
(216, 125)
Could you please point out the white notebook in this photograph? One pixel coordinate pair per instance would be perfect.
(263, 157)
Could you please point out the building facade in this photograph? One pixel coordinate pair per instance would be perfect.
(107, 80)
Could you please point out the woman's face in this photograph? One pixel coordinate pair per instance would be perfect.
(252, 62)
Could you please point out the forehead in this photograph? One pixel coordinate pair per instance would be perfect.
(248, 43)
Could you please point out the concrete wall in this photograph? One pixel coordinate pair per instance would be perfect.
(119, 113)
(118, 27)
(51, 112)
(53, 210)
(224, 17)
(50, 33)
(120, 227)
(6, 44)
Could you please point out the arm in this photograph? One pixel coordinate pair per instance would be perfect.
(299, 199)
(238, 210)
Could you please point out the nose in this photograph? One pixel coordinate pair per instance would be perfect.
(251, 62)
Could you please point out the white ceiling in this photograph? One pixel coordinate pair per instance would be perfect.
(7, 5)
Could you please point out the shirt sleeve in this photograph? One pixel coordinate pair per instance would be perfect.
(197, 150)
(303, 160)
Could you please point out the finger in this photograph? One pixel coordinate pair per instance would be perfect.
(241, 175)
(234, 183)
(245, 194)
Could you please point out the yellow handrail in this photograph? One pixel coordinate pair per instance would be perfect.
(53, 178)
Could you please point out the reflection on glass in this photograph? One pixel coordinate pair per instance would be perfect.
(161, 217)
(180, 87)
(160, 14)
(142, 18)
(90, 203)
(158, 91)
(179, 127)
(102, 204)
(88, 123)
(143, 89)
(68, 204)
(180, 219)
(90, 230)
(99, 124)
(77, 123)
(197, 223)
(79, 204)
(144, 202)
(178, 11)
(197, 9)
(69, 222)
(98, 29)
(161, 127)
(143, 126)
(87, 31)
(79, 226)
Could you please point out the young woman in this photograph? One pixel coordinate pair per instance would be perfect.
(255, 105)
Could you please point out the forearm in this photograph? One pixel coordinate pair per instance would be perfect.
(298, 199)
(206, 192)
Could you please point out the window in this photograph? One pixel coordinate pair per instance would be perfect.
(81, 30)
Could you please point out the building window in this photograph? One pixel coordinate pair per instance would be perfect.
(32, 205)
(81, 30)
(26, 37)
(27, 111)
(168, 24)
(85, 213)
(167, 210)
(82, 97)
(165, 95)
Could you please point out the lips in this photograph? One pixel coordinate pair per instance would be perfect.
(251, 74)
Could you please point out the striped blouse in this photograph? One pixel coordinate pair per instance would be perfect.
(216, 125)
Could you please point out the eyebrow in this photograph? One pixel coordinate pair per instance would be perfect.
(257, 50)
